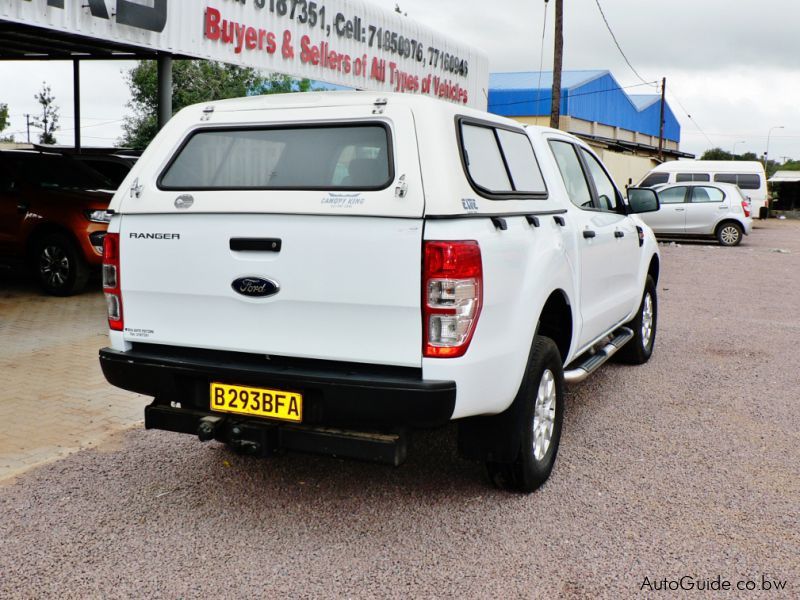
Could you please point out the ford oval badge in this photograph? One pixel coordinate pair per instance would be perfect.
(255, 287)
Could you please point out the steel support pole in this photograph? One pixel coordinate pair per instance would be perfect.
(164, 90)
(76, 100)
(661, 120)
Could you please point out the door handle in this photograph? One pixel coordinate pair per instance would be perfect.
(589, 234)
(619, 234)
(680, 209)
(255, 244)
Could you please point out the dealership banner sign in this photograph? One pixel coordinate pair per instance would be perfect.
(345, 42)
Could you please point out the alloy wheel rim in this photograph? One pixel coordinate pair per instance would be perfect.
(54, 266)
(544, 415)
(730, 235)
(647, 320)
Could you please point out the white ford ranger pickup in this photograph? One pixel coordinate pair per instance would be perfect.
(325, 272)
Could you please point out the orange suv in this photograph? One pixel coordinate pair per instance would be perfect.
(52, 217)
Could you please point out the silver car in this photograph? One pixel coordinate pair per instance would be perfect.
(713, 210)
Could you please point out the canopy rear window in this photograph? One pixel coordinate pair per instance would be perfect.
(325, 157)
(500, 162)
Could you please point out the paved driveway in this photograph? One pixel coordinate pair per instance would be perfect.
(53, 398)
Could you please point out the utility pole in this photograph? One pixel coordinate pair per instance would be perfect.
(661, 122)
(558, 60)
(28, 122)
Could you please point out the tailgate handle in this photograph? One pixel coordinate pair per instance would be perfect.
(256, 244)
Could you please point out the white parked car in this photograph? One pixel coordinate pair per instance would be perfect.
(748, 175)
(711, 210)
(323, 272)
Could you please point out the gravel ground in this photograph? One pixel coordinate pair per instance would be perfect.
(688, 465)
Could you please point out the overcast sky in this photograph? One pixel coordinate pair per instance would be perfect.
(733, 64)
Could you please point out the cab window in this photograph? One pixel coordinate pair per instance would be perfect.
(572, 173)
(707, 194)
(607, 195)
(673, 195)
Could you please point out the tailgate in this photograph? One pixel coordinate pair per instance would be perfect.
(348, 287)
(337, 189)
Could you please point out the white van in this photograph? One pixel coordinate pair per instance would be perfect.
(748, 175)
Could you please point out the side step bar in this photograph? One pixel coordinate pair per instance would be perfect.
(582, 371)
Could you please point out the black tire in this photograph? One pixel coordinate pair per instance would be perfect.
(544, 379)
(639, 350)
(729, 234)
(58, 265)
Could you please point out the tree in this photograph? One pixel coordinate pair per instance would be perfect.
(193, 81)
(48, 122)
(716, 154)
(3, 116)
(4, 122)
(792, 165)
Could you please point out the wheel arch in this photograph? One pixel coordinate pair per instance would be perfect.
(654, 269)
(727, 220)
(556, 321)
(44, 229)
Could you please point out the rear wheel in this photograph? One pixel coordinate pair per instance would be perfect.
(542, 397)
(58, 265)
(644, 326)
(729, 234)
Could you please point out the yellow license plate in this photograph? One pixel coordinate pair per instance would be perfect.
(257, 402)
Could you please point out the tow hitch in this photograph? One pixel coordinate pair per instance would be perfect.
(253, 437)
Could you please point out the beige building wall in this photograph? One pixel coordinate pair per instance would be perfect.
(624, 167)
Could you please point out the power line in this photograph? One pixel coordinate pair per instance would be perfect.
(67, 117)
(93, 125)
(696, 124)
(541, 53)
(614, 37)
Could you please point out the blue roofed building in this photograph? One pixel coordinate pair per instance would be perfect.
(623, 128)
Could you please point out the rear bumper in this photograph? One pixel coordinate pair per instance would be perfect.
(335, 394)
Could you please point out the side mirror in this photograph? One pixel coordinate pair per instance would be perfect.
(642, 200)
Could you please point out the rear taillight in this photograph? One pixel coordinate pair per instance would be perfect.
(111, 281)
(452, 296)
(746, 208)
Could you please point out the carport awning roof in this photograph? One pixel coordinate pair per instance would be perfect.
(19, 41)
(785, 177)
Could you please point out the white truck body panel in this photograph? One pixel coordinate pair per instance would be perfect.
(516, 262)
(337, 301)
